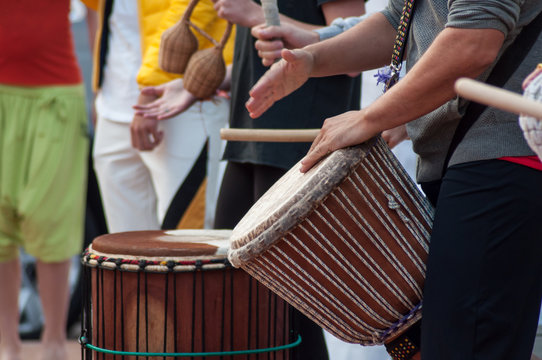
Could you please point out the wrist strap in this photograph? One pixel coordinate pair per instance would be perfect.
(407, 344)
(400, 44)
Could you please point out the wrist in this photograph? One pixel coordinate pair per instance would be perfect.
(256, 17)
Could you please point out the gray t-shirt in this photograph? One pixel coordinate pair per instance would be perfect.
(496, 133)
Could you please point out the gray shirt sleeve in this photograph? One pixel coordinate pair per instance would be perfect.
(501, 15)
(393, 12)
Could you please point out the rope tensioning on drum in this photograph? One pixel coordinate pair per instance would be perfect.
(151, 266)
(84, 343)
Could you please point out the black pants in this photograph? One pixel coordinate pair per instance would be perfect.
(484, 277)
(242, 186)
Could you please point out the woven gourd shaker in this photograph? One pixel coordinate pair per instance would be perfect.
(178, 44)
(206, 69)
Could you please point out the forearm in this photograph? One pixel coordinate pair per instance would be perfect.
(331, 10)
(455, 53)
(92, 27)
(366, 46)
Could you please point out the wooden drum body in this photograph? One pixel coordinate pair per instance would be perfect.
(174, 292)
(345, 243)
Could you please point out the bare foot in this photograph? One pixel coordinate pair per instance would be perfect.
(54, 351)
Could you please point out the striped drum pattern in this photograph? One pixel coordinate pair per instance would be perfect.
(345, 243)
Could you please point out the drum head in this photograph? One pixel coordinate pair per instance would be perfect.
(163, 245)
(289, 200)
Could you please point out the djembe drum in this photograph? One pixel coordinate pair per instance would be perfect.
(345, 243)
(174, 293)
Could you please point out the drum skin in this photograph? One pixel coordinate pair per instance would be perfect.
(175, 292)
(345, 243)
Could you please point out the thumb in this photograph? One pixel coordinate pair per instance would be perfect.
(292, 55)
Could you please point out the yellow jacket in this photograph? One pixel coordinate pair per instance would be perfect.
(155, 16)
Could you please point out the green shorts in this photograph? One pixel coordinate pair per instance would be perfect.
(43, 171)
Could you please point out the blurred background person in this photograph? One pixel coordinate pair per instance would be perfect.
(153, 173)
(43, 165)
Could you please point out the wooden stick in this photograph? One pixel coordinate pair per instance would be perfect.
(497, 97)
(270, 12)
(269, 135)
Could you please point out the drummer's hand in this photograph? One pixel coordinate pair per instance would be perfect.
(280, 80)
(272, 39)
(171, 99)
(394, 136)
(531, 76)
(338, 132)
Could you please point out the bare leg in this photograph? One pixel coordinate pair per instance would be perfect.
(10, 283)
(54, 294)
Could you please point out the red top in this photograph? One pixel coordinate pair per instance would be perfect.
(530, 161)
(36, 44)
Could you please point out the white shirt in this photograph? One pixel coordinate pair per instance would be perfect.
(119, 90)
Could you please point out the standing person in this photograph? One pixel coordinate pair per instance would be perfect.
(152, 173)
(483, 288)
(253, 167)
(43, 158)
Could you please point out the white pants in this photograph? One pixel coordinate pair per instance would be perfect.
(138, 186)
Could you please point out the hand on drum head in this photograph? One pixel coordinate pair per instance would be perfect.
(280, 80)
(338, 132)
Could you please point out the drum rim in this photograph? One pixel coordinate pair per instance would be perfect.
(124, 258)
(243, 250)
(95, 259)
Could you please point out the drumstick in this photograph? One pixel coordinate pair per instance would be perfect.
(269, 135)
(497, 97)
(270, 12)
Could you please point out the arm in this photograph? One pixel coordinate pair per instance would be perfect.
(368, 45)
(92, 28)
(248, 13)
(454, 53)
(272, 39)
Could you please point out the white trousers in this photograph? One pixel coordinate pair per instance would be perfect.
(137, 186)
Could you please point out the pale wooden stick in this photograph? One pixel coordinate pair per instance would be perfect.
(497, 97)
(269, 135)
(271, 12)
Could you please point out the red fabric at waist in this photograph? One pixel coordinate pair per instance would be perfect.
(530, 161)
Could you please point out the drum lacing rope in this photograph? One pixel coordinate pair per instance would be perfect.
(403, 321)
(84, 343)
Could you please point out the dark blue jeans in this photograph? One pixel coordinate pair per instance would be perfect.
(484, 276)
